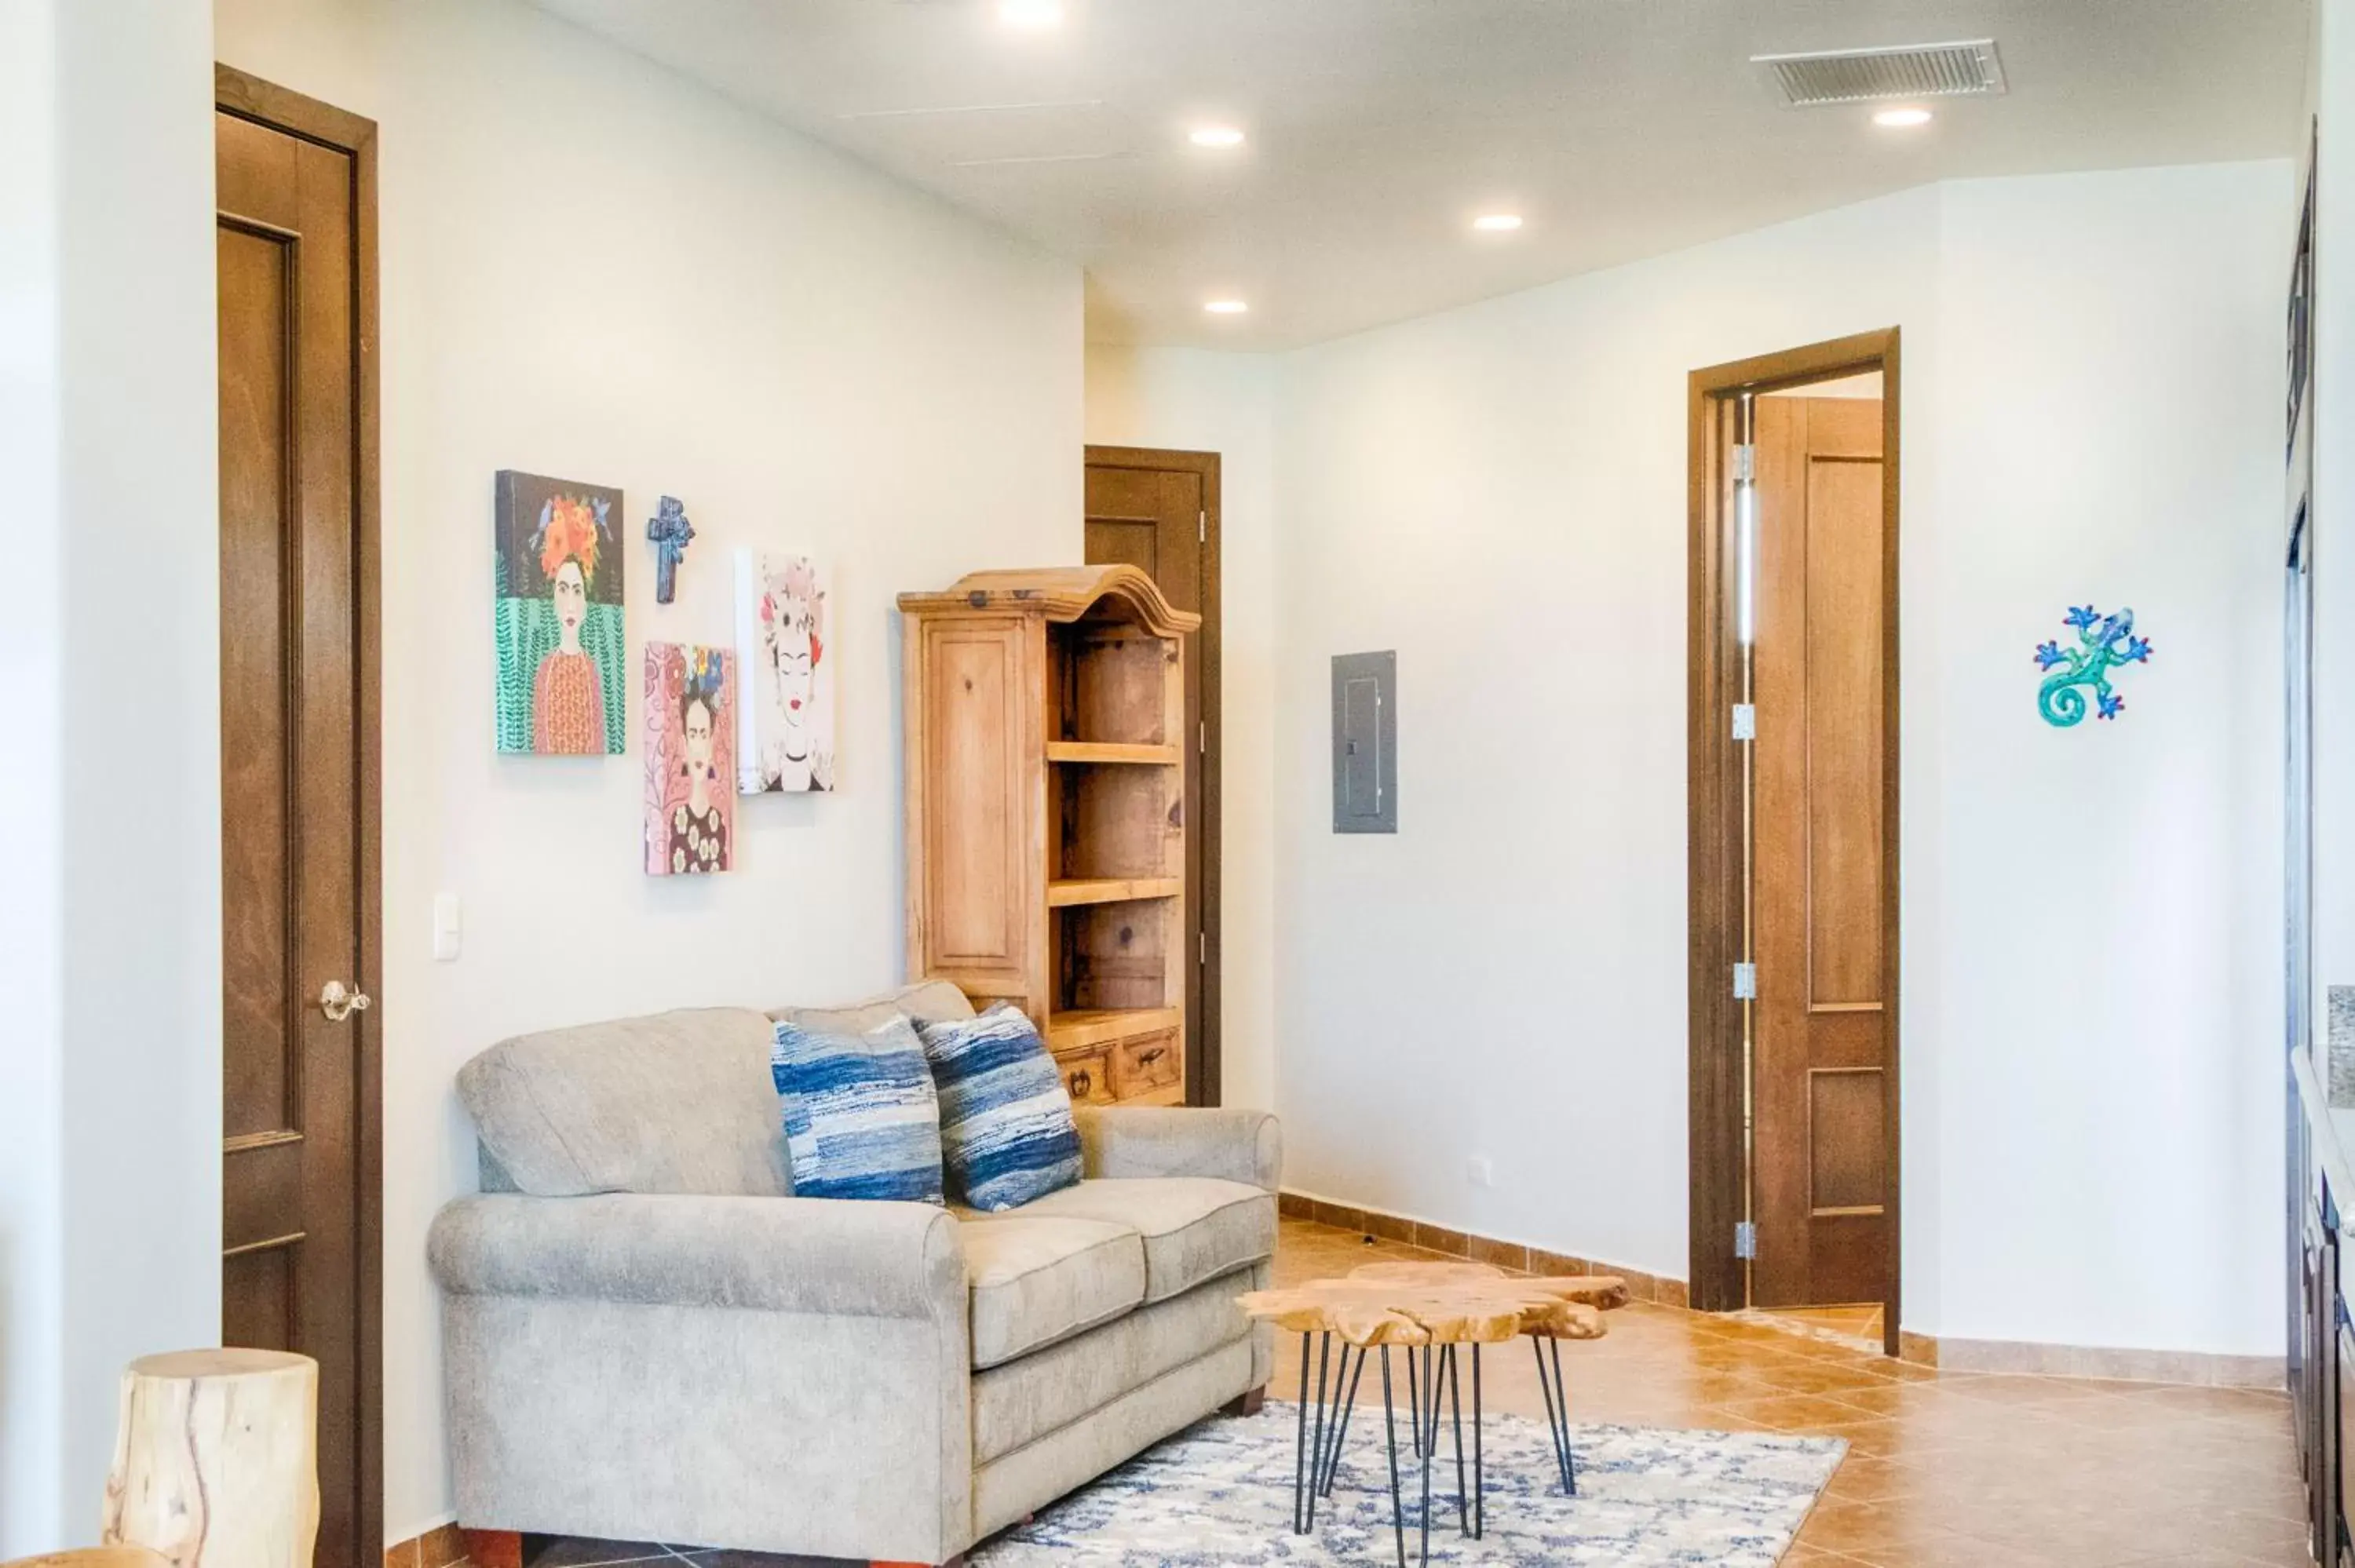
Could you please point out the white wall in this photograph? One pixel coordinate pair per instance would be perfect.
(2100, 985)
(1194, 400)
(110, 1078)
(2334, 509)
(2090, 918)
(593, 269)
(1499, 494)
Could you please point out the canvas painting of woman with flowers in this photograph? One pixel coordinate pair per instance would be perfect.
(690, 761)
(785, 735)
(558, 617)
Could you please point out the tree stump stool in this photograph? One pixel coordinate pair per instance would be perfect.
(94, 1557)
(216, 1459)
(1433, 1307)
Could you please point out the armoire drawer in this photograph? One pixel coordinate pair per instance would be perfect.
(1088, 1075)
(1146, 1063)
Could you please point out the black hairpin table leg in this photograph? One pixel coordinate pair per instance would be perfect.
(1413, 1403)
(1434, 1374)
(1479, 1481)
(1455, 1415)
(1317, 1441)
(1346, 1406)
(1557, 1402)
(1390, 1426)
(1561, 1399)
(1431, 1403)
(1300, 1443)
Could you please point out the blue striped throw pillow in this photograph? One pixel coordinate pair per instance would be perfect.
(861, 1118)
(1006, 1118)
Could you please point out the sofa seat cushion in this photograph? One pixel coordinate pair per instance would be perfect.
(1043, 1394)
(1193, 1227)
(1036, 1280)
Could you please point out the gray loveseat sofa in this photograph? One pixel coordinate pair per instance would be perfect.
(647, 1337)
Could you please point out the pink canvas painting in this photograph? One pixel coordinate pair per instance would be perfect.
(690, 760)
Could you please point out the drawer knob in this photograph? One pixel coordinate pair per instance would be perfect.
(1081, 1083)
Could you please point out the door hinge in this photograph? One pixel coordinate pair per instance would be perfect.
(1202, 739)
(1745, 982)
(1745, 1240)
(1202, 528)
(1201, 947)
(1745, 464)
(1746, 721)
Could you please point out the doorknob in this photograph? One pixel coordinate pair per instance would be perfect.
(338, 1004)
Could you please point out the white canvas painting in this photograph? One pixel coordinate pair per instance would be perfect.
(783, 641)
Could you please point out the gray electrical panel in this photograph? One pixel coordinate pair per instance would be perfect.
(1365, 743)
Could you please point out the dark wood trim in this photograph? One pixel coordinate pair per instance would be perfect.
(1380, 1224)
(1204, 1072)
(1713, 830)
(1713, 858)
(281, 109)
(265, 103)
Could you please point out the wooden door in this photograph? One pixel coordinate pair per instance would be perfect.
(1158, 511)
(298, 864)
(1820, 1035)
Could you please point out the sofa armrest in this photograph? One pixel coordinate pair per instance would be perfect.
(1175, 1140)
(782, 1254)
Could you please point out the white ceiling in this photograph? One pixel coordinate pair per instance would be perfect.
(1378, 128)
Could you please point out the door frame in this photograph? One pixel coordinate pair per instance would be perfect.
(1204, 1078)
(1714, 817)
(264, 103)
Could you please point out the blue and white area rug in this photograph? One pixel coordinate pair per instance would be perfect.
(1220, 1492)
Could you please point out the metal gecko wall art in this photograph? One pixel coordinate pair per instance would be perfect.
(2103, 642)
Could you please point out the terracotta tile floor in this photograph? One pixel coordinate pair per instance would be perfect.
(1953, 1471)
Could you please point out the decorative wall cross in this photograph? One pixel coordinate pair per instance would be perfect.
(670, 531)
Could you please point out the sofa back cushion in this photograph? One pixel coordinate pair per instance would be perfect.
(926, 1002)
(676, 1102)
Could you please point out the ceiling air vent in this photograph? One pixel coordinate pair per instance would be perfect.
(1912, 70)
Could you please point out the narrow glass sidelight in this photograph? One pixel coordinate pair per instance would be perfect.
(1745, 634)
(1745, 520)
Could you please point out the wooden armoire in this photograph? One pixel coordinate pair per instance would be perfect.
(1046, 813)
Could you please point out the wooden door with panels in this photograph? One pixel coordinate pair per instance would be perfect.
(1820, 1042)
(301, 1047)
(1792, 853)
(1158, 511)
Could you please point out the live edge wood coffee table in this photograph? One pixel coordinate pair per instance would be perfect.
(1431, 1308)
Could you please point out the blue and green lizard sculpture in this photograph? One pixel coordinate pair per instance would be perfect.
(2104, 641)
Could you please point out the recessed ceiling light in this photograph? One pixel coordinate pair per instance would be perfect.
(1225, 307)
(1498, 222)
(1897, 118)
(1031, 13)
(1215, 136)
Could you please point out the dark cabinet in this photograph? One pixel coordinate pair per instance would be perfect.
(2324, 1361)
(2344, 1356)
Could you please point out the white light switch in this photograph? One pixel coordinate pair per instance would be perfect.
(445, 927)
